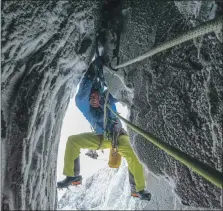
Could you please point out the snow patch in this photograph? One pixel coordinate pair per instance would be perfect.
(109, 189)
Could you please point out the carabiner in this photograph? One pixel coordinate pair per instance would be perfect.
(110, 66)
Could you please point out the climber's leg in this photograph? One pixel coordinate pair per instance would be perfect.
(135, 167)
(132, 182)
(77, 142)
(77, 166)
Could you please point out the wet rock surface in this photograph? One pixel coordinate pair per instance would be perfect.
(176, 95)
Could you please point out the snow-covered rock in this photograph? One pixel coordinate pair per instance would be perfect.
(46, 46)
(176, 95)
(109, 189)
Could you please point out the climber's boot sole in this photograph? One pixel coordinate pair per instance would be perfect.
(76, 183)
(146, 198)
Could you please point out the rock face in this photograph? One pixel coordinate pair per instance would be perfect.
(176, 95)
(109, 189)
(46, 45)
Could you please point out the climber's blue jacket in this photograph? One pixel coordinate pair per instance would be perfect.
(95, 116)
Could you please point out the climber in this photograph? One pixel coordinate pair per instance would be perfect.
(90, 100)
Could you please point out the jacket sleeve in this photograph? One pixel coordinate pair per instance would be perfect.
(82, 96)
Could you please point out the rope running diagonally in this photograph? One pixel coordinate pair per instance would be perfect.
(106, 103)
(207, 172)
(210, 26)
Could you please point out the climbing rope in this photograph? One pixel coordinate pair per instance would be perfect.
(105, 104)
(211, 26)
(207, 172)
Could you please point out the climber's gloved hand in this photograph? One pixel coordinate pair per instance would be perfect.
(90, 72)
(92, 154)
(95, 69)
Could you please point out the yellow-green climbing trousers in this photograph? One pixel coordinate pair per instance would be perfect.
(91, 141)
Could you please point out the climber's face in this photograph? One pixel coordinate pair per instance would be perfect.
(95, 99)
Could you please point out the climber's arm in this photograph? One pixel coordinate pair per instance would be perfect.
(84, 91)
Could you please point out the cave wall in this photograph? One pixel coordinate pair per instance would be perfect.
(45, 46)
(177, 94)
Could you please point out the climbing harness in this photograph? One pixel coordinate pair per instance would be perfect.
(207, 172)
(211, 26)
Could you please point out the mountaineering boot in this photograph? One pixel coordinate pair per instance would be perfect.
(69, 181)
(143, 195)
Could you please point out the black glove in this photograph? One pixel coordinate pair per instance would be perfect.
(90, 72)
